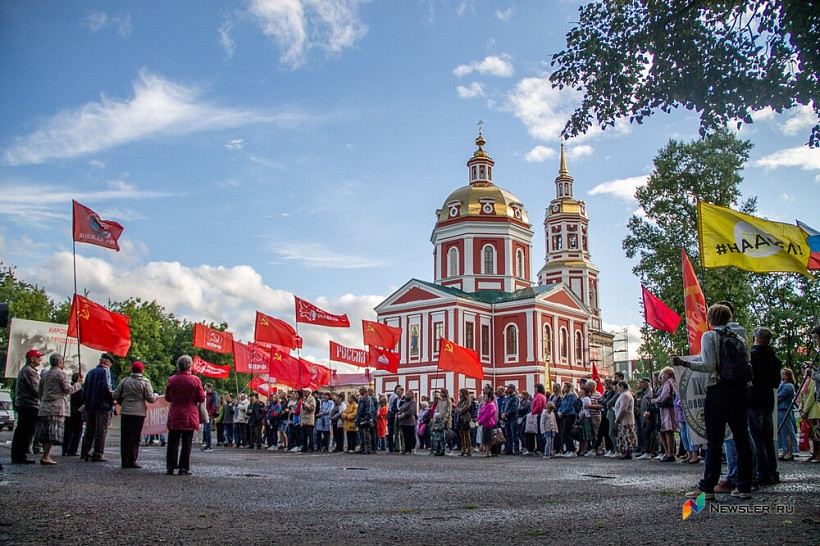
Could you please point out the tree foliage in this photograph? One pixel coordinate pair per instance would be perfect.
(723, 58)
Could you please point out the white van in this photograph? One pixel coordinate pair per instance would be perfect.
(6, 410)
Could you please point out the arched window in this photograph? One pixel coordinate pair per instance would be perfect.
(564, 341)
(547, 341)
(489, 260)
(520, 263)
(511, 335)
(452, 262)
(579, 348)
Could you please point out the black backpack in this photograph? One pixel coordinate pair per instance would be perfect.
(734, 365)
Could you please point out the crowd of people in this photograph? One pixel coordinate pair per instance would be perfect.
(566, 421)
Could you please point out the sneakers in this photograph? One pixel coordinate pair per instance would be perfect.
(741, 494)
(608, 453)
(724, 486)
(570, 454)
(524, 452)
(295, 449)
(644, 456)
(589, 453)
(695, 493)
(612, 455)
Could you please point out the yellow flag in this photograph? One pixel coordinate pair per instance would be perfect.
(728, 237)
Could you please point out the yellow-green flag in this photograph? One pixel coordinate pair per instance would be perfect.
(728, 237)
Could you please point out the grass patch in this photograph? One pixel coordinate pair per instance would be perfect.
(551, 501)
(787, 522)
(667, 492)
(406, 511)
(469, 506)
(536, 532)
(600, 525)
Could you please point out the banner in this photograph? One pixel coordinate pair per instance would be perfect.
(250, 358)
(382, 359)
(459, 359)
(314, 375)
(260, 386)
(212, 340)
(728, 237)
(88, 228)
(273, 330)
(99, 328)
(46, 337)
(657, 314)
(284, 368)
(692, 393)
(207, 369)
(694, 304)
(380, 335)
(156, 418)
(340, 353)
(310, 314)
(813, 241)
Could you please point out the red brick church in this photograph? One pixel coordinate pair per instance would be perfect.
(483, 295)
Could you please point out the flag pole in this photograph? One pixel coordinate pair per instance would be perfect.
(77, 311)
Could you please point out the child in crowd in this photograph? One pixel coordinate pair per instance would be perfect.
(549, 428)
(437, 435)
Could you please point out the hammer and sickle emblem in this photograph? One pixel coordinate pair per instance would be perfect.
(277, 356)
(84, 313)
(264, 321)
(370, 328)
(448, 347)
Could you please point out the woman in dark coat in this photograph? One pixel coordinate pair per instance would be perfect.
(406, 419)
(184, 392)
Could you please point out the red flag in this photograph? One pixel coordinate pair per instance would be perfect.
(695, 304)
(284, 369)
(459, 359)
(382, 359)
(657, 314)
(314, 375)
(259, 385)
(88, 228)
(250, 358)
(380, 335)
(309, 313)
(100, 328)
(213, 340)
(340, 353)
(207, 369)
(597, 378)
(278, 332)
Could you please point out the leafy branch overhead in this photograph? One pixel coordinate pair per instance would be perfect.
(724, 59)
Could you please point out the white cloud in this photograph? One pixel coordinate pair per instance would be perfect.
(623, 188)
(799, 119)
(474, 90)
(225, 38)
(98, 20)
(158, 107)
(539, 154)
(580, 151)
(235, 144)
(804, 157)
(204, 293)
(492, 65)
(505, 15)
(18, 204)
(316, 255)
(97, 163)
(299, 26)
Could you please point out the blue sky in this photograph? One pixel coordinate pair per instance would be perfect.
(257, 149)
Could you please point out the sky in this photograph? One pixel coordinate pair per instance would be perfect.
(257, 149)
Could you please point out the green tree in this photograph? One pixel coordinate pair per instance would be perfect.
(685, 173)
(722, 58)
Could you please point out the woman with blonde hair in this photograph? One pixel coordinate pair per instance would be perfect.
(349, 419)
(786, 438)
(463, 421)
(567, 413)
(665, 401)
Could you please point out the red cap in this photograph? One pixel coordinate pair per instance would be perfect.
(137, 367)
(33, 352)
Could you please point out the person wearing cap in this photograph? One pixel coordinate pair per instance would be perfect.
(27, 405)
(54, 390)
(99, 401)
(133, 394)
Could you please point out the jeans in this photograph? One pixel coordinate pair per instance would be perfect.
(367, 438)
(206, 435)
(228, 433)
(684, 437)
(762, 429)
(787, 430)
(549, 444)
(511, 435)
(727, 404)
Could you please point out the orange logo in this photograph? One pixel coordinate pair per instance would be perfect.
(85, 313)
(277, 356)
(264, 321)
(448, 347)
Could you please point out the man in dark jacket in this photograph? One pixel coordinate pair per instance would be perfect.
(99, 401)
(256, 417)
(765, 378)
(510, 417)
(366, 420)
(26, 404)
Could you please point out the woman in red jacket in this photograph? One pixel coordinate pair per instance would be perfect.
(184, 392)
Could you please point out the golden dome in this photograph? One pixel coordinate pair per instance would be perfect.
(482, 200)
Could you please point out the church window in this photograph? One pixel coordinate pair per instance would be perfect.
(475, 172)
(485, 340)
(452, 262)
(468, 334)
(520, 263)
(490, 173)
(438, 333)
(481, 172)
(579, 348)
(511, 335)
(547, 343)
(564, 343)
(489, 260)
(573, 240)
(557, 242)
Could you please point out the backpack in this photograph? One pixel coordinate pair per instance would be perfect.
(579, 405)
(734, 365)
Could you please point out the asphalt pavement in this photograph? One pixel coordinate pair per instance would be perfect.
(241, 496)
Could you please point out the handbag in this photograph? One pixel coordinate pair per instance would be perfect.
(203, 414)
(531, 427)
(498, 437)
(803, 439)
